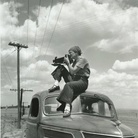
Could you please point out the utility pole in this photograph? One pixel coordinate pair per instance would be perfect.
(18, 76)
(20, 100)
(22, 91)
(23, 106)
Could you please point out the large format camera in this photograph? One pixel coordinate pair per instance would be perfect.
(61, 60)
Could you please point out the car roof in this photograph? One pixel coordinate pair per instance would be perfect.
(103, 97)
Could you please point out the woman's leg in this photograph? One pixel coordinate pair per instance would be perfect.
(70, 91)
(57, 74)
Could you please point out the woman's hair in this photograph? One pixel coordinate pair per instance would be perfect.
(76, 49)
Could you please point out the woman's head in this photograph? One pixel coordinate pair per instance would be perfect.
(75, 49)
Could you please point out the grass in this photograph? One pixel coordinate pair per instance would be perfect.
(9, 125)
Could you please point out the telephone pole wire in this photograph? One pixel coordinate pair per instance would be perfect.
(18, 76)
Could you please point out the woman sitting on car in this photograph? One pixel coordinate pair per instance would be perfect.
(76, 79)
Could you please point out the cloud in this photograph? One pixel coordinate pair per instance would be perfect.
(131, 66)
(37, 71)
(106, 26)
(8, 13)
(121, 3)
(111, 81)
(9, 18)
(118, 86)
(119, 31)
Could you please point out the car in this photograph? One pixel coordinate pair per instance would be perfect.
(93, 116)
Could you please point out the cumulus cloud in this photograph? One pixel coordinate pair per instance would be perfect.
(120, 87)
(9, 18)
(112, 82)
(131, 66)
(37, 71)
(106, 26)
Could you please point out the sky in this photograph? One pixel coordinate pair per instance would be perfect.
(105, 30)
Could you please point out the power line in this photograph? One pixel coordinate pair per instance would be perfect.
(46, 25)
(37, 18)
(17, 1)
(9, 54)
(7, 73)
(77, 22)
(35, 36)
(6, 67)
(54, 27)
(45, 28)
(83, 23)
(3, 62)
(27, 36)
(27, 21)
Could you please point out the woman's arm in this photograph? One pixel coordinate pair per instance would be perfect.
(72, 70)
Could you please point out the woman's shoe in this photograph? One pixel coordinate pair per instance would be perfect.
(67, 111)
(61, 107)
(54, 88)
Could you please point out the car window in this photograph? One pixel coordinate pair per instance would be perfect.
(90, 105)
(95, 106)
(50, 105)
(34, 107)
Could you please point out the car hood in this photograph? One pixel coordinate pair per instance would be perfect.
(84, 123)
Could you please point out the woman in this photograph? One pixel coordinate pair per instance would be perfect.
(76, 79)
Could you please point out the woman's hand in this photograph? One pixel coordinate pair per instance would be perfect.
(66, 60)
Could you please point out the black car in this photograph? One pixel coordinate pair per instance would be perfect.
(93, 116)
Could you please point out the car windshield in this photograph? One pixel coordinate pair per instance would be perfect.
(82, 104)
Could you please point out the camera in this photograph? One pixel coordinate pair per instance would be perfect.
(61, 59)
